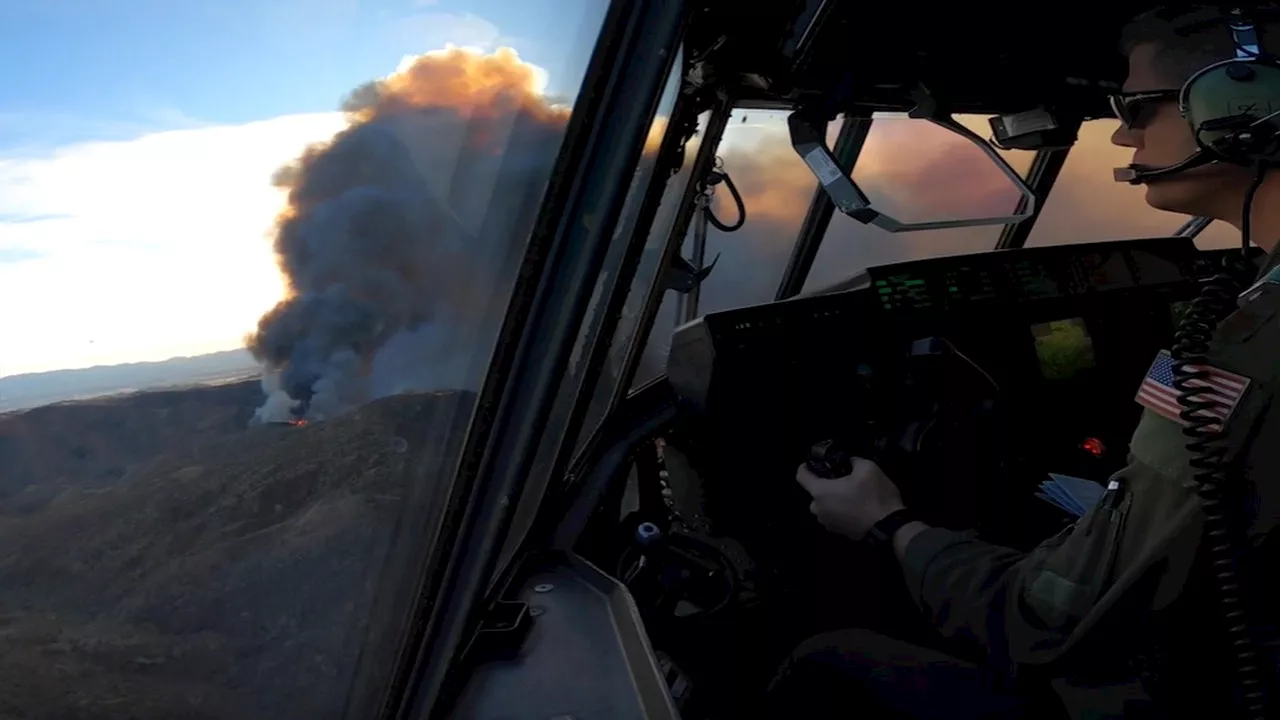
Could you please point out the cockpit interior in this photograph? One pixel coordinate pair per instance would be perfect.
(682, 564)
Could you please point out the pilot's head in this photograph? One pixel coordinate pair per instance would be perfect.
(1164, 51)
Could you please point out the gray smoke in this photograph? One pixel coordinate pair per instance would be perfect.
(402, 235)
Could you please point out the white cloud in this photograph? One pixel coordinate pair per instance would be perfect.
(142, 249)
(31, 133)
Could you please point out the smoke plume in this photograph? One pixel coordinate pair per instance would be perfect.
(402, 233)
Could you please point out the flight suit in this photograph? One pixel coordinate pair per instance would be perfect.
(1100, 587)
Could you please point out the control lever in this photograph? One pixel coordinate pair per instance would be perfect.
(829, 460)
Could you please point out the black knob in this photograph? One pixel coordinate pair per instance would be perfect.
(828, 460)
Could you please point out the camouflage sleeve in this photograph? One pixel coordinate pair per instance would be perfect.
(1031, 607)
(968, 587)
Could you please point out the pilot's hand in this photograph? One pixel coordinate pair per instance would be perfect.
(850, 505)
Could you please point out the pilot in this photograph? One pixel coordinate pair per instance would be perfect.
(1119, 615)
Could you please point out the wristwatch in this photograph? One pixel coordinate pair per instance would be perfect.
(883, 531)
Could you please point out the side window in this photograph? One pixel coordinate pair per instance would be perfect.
(1086, 205)
(776, 188)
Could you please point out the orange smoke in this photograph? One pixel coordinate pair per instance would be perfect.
(776, 186)
(495, 85)
(918, 171)
(907, 167)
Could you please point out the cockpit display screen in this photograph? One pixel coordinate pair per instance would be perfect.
(956, 285)
(1016, 276)
(1064, 347)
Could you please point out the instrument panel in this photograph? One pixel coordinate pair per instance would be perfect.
(1022, 275)
(1003, 292)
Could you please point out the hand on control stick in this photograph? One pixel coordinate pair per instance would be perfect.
(850, 505)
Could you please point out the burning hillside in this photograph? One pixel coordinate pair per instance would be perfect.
(232, 578)
(402, 233)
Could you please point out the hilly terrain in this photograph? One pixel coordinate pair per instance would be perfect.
(160, 559)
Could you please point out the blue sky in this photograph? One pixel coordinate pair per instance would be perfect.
(137, 139)
(73, 69)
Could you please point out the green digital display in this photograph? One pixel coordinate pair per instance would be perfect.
(1064, 348)
(898, 291)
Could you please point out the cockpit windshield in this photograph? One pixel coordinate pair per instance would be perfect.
(254, 256)
(900, 170)
(915, 171)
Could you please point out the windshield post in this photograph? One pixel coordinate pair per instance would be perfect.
(849, 143)
(601, 339)
(606, 133)
(1041, 176)
(702, 165)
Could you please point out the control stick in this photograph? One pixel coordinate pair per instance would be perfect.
(829, 460)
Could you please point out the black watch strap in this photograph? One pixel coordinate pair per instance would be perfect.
(882, 532)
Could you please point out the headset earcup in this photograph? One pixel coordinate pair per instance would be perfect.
(1223, 104)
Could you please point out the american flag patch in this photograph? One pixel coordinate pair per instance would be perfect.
(1158, 393)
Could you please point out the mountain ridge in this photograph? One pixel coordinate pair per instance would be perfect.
(28, 390)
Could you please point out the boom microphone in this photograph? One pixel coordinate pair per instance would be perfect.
(1141, 174)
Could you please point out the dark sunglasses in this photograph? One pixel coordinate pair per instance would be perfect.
(1135, 109)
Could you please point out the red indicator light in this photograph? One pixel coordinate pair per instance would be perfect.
(1094, 447)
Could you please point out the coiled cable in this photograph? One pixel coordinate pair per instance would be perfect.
(718, 175)
(1217, 299)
